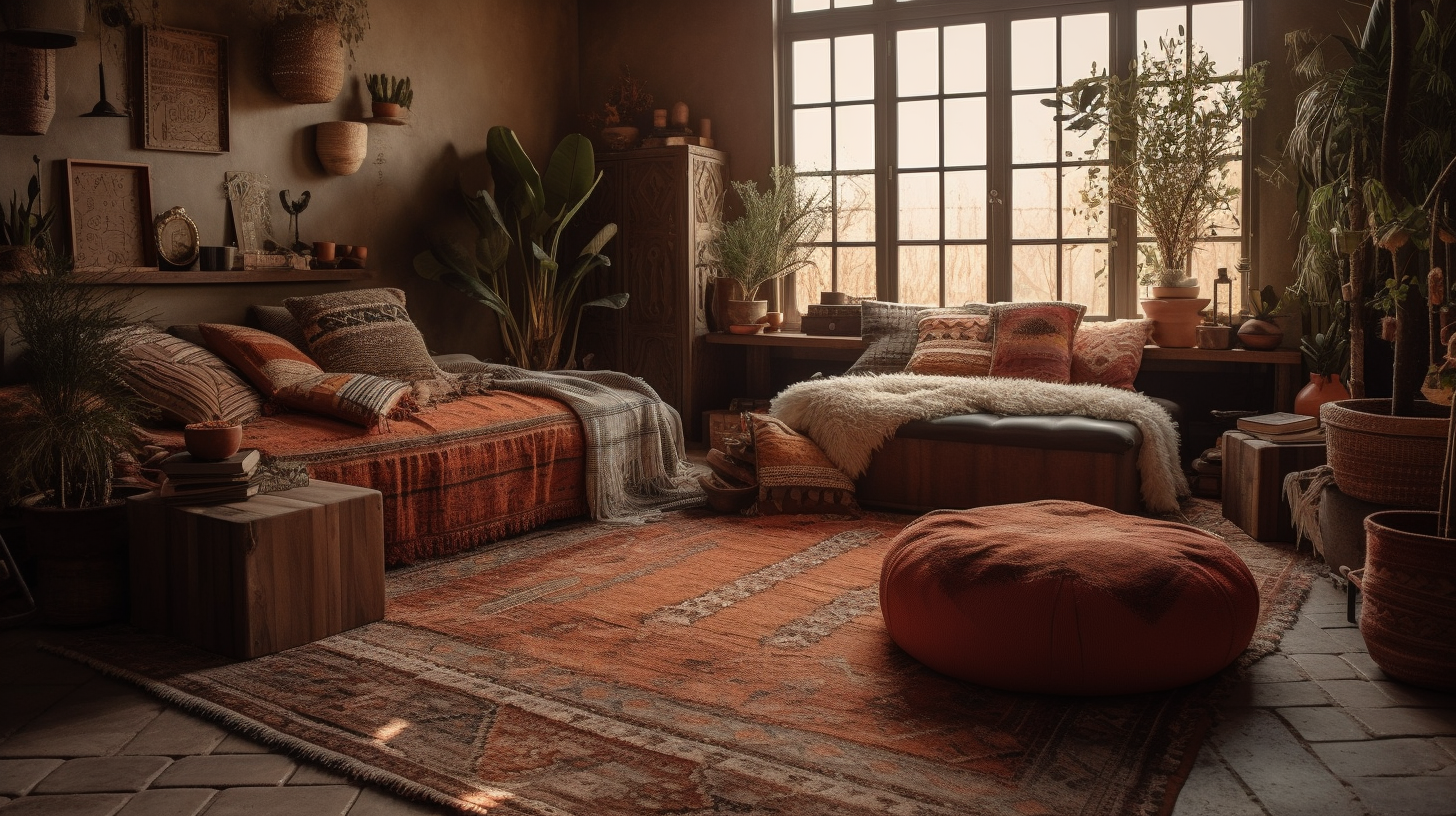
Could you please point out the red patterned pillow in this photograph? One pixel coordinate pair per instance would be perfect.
(268, 361)
(1034, 340)
(794, 475)
(957, 345)
(1109, 353)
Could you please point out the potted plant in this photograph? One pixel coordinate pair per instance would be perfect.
(24, 231)
(1260, 331)
(310, 38)
(772, 238)
(1173, 123)
(389, 97)
(73, 420)
(1324, 353)
(515, 268)
(622, 115)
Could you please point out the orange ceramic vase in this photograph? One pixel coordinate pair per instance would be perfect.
(1320, 390)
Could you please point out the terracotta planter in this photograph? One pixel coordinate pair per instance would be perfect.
(1260, 335)
(308, 59)
(81, 562)
(1175, 320)
(1173, 291)
(16, 261)
(746, 312)
(387, 110)
(1319, 390)
(1409, 619)
(1378, 458)
(207, 440)
(342, 146)
(27, 90)
(724, 290)
(43, 23)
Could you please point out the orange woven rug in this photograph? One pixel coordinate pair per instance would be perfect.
(705, 664)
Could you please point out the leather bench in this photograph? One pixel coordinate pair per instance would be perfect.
(973, 460)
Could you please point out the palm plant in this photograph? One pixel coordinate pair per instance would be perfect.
(515, 267)
(774, 235)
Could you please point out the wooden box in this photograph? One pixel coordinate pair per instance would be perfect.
(831, 326)
(255, 577)
(718, 424)
(1253, 482)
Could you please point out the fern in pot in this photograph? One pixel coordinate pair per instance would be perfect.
(71, 423)
(772, 238)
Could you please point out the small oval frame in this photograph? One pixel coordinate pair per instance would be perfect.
(177, 239)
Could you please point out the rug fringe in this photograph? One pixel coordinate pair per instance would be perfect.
(354, 769)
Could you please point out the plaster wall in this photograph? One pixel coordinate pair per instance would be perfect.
(473, 65)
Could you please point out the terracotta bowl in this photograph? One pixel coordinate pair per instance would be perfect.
(746, 328)
(207, 440)
(727, 499)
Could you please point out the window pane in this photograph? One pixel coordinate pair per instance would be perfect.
(919, 133)
(854, 201)
(917, 58)
(811, 71)
(812, 148)
(1031, 41)
(848, 3)
(965, 58)
(919, 207)
(810, 5)
(1084, 42)
(965, 274)
(854, 147)
(819, 187)
(1034, 203)
(854, 68)
(965, 204)
(1084, 275)
(1074, 220)
(856, 272)
(965, 131)
(1219, 29)
(1226, 223)
(815, 278)
(1034, 273)
(1033, 130)
(1159, 22)
(920, 274)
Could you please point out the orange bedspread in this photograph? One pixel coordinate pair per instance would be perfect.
(455, 476)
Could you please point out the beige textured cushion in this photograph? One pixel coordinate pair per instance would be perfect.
(364, 331)
(1109, 353)
(185, 381)
(278, 320)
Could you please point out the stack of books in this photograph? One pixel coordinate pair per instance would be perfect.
(1283, 428)
(210, 481)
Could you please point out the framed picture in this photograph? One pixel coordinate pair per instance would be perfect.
(184, 90)
(177, 242)
(111, 215)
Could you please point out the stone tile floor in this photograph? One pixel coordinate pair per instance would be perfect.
(1316, 729)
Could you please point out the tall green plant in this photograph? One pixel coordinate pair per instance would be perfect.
(22, 225)
(1175, 123)
(76, 415)
(515, 267)
(774, 235)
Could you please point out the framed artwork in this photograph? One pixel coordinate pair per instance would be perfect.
(184, 90)
(252, 216)
(177, 242)
(111, 215)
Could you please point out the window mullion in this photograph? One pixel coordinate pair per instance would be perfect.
(887, 200)
(998, 158)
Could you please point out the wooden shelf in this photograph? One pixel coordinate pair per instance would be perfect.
(154, 277)
(787, 339)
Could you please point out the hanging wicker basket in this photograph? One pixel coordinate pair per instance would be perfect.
(308, 59)
(1383, 459)
(27, 90)
(342, 146)
(43, 23)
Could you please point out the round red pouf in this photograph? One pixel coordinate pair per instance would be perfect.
(1062, 597)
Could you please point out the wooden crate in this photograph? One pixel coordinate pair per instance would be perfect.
(255, 577)
(1253, 482)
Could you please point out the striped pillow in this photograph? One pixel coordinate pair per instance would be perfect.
(794, 475)
(954, 345)
(185, 381)
(267, 360)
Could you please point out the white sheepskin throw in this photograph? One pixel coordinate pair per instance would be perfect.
(852, 417)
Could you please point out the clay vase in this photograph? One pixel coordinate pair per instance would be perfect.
(1261, 335)
(1410, 611)
(1319, 390)
(746, 312)
(308, 60)
(1175, 320)
(724, 290)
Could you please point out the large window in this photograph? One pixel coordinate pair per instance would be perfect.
(924, 123)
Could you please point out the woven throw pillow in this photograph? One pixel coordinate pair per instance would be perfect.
(362, 399)
(955, 345)
(794, 475)
(267, 360)
(364, 331)
(185, 381)
(890, 332)
(1034, 340)
(1109, 353)
(278, 320)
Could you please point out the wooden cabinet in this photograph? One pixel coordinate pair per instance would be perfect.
(664, 201)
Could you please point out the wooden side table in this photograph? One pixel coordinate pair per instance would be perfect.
(1253, 482)
(255, 577)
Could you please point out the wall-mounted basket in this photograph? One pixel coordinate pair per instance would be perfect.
(308, 61)
(342, 146)
(27, 90)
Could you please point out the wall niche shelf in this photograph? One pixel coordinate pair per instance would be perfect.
(152, 277)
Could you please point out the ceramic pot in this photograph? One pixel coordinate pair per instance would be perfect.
(308, 59)
(1319, 390)
(724, 290)
(1175, 320)
(18, 260)
(81, 561)
(1409, 619)
(211, 440)
(342, 146)
(387, 110)
(1383, 459)
(619, 138)
(746, 312)
(772, 321)
(43, 23)
(1174, 291)
(1260, 335)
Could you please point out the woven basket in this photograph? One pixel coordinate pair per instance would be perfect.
(1378, 458)
(308, 61)
(342, 146)
(1409, 619)
(27, 90)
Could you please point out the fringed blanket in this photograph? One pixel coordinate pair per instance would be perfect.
(852, 417)
(634, 441)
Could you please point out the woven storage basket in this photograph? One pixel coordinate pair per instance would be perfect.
(1378, 458)
(342, 146)
(308, 61)
(1409, 619)
(27, 90)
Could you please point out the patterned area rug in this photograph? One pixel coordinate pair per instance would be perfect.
(704, 664)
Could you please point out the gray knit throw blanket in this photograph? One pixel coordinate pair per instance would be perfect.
(635, 468)
(852, 417)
